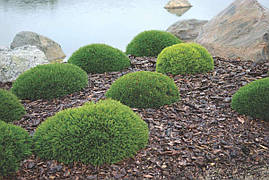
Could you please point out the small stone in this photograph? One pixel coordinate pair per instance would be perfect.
(31, 165)
(92, 177)
(227, 99)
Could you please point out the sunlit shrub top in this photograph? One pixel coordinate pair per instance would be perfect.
(184, 58)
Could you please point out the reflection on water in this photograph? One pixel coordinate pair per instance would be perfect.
(178, 11)
(28, 4)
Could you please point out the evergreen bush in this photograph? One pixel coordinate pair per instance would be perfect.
(50, 81)
(184, 58)
(99, 58)
(97, 134)
(15, 145)
(151, 43)
(10, 107)
(253, 99)
(144, 90)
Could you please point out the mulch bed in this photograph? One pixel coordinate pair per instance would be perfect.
(199, 137)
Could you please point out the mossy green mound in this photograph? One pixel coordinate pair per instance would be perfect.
(144, 90)
(50, 81)
(10, 107)
(184, 58)
(102, 133)
(151, 43)
(253, 99)
(15, 145)
(99, 58)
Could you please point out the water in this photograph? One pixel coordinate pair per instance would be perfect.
(75, 23)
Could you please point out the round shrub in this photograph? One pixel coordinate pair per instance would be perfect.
(15, 145)
(151, 43)
(184, 58)
(97, 134)
(144, 90)
(10, 107)
(50, 81)
(253, 99)
(99, 58)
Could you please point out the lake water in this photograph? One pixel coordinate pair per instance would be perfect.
(75, 23)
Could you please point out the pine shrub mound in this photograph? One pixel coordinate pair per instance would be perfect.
(50, 81)
(10, 107)
(253, 99)
(151, 43)
(96, 134)
(99, 58)
(184, 58)
(144, 90)
(15, 145)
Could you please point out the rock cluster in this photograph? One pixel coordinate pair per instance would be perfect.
(241, 31)
(27, 50)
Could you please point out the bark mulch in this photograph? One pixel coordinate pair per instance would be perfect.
(199, 137)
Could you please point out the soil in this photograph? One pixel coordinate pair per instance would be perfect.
(199, 137)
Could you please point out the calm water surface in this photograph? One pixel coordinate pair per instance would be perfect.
(75, 23)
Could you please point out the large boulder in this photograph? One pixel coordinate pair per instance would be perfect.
(13, 62)
(187, 30)
(177, 4)
(52, 50)
(238, 32)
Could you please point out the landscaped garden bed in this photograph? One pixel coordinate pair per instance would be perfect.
(199, 136)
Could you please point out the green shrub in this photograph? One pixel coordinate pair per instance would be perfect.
(253, 99)
(184, 58)
(50, 81)
(10, 107)
(99, 58)
(151, 43)
(144, 90)
(15, 145)
(102, 133)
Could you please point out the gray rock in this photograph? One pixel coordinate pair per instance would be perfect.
(187, 30)
(238, 32)
(52, 50)
(177, 4)
(13, 62)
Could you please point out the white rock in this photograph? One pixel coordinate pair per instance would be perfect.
(13, 62)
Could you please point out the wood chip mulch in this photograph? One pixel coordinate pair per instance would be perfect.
(199, 137)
